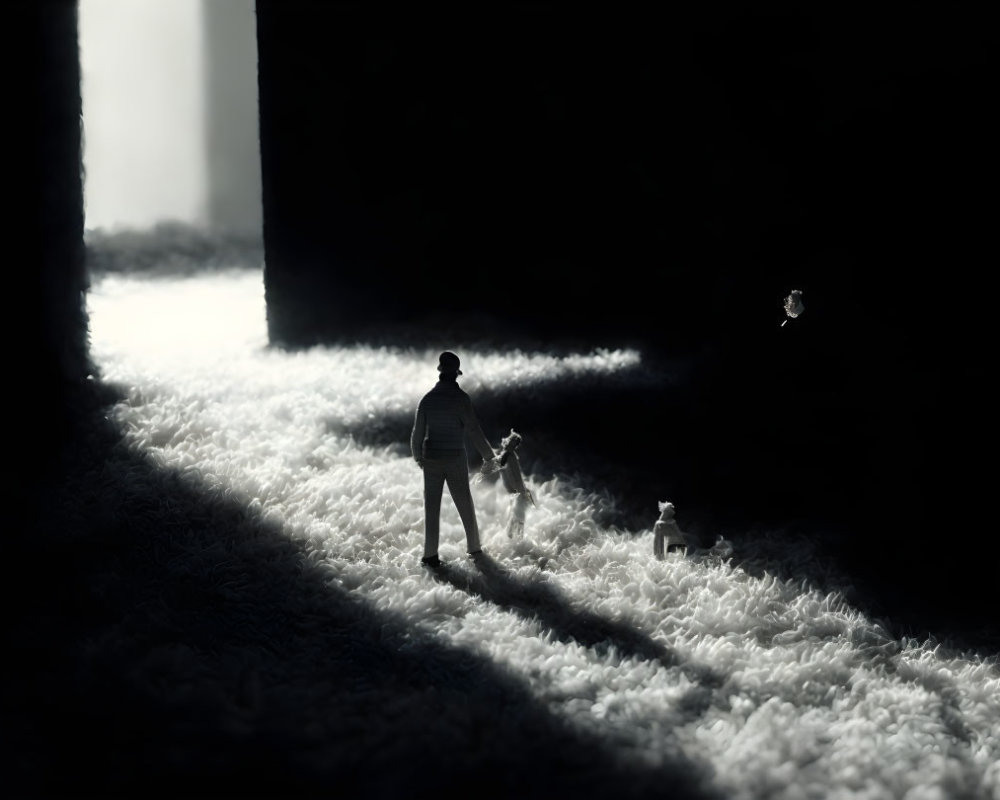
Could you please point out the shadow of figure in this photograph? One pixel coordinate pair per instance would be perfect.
(539, 599)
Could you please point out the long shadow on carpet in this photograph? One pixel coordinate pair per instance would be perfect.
(540, 600)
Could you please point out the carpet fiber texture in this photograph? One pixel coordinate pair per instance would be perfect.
(246, 612)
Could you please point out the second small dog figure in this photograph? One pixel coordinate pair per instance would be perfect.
(666, 535)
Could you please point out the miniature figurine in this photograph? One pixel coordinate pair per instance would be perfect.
(666, 535)
(513, 482)
(444, 418)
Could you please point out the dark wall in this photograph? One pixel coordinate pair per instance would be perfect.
(580, 168)
(524, 162)
(47, 359)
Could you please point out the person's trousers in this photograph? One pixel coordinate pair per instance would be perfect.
(453, 470)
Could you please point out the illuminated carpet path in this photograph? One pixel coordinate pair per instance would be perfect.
(766, 688)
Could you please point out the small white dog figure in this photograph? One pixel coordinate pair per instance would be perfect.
(513, 482)
(667, 537)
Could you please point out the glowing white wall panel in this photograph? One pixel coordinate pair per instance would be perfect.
(144, 152)
(165, 84)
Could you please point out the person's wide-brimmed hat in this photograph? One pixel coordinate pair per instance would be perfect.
(448, 363)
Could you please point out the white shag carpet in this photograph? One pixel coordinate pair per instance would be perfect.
(573, 653)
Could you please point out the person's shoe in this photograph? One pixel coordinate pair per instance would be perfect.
(431, 561)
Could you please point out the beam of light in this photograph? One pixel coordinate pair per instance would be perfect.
(143, 112)
(169, 92)
(779, 689)
(170, 327)
(175, 323)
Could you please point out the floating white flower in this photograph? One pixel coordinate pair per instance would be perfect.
(793, 305)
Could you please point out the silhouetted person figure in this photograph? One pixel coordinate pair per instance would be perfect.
(443, 420)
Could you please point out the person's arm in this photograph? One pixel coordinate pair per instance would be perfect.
(475, 432)
(418, 433)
